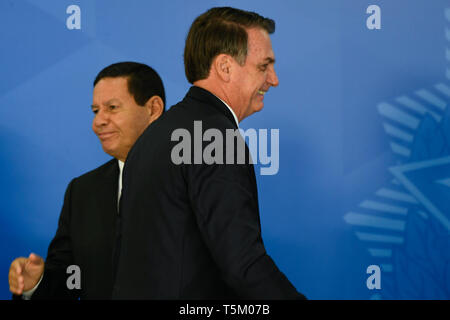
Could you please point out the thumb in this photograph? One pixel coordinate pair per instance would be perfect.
(34, 259)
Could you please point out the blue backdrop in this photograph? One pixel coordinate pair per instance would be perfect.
(364, 175)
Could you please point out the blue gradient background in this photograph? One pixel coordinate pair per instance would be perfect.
(334, 151)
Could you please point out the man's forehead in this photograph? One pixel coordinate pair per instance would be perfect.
(111, 84)
(109, 89)
(260, 46)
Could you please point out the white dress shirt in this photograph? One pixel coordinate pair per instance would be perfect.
(121, 164)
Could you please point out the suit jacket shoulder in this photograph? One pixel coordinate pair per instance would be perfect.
(106, 172)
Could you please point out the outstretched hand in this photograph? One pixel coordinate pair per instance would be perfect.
(25, 273)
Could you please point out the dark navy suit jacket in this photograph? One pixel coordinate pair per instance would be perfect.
(191, 231)
(85, 237)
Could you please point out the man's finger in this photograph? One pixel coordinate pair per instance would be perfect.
(12, 273)
(15, 288)
(14, 266)
(12, 283)
(19, 286)
(18, 264)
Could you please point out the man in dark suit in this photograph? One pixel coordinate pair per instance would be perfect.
(189, 218)
(127, 97)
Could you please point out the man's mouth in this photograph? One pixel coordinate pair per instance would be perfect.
(105, 135)
(262, 92)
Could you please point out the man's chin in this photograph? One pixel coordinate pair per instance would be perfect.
(259, 107)
(110, 151)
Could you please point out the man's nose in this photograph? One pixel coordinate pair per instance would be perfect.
(101, 118)
(272, 77)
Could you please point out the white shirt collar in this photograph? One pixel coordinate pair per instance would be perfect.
(231, 110)
(121, 164)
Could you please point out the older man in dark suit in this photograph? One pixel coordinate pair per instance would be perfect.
(190, 224)
(127, 97)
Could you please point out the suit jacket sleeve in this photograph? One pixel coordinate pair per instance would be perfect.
(224, 198)
(59, 257)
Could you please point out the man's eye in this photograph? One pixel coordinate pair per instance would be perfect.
(264, 67)
(95, 111)
(112, 107)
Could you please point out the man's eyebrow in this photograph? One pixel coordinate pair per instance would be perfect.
(109, 102)
(269, 60)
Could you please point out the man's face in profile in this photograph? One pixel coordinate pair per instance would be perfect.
(257, 75)
(118, 120)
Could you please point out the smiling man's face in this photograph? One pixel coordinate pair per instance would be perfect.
(118, 120)
(256, 76)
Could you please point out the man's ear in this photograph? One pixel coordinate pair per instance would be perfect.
(155, 107)
(223, 66)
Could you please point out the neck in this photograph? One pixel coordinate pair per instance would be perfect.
(220, 92)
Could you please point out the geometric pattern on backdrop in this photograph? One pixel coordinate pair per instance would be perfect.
(405, 225)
